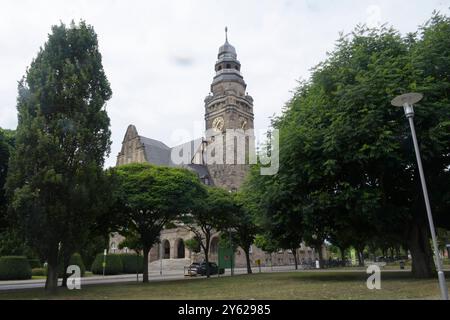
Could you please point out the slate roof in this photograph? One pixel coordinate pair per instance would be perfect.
(156, 152)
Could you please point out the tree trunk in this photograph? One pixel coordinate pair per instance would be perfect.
(51, 283)
(294, 253)
(52, 278)
(64, 275)
(319, 251)
(207, 263)
(146, 250)
(206, 252)
(419, 245)
(360, 258)
(247, 259)
(66, 261)
(342, 250)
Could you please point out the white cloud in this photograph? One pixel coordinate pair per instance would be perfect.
(159, 55)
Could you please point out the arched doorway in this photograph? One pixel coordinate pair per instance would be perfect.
(180, 249)
(166, 249)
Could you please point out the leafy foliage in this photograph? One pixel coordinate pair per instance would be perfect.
(55, 180)
(150, 196)
(193, 244)
(348, 172)
(14, 268)
(78, 261)
(113, 264)
(39, 272)
(211, 212)
(6, 146)
(132, 263)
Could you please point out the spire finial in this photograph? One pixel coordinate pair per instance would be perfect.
(226, 34)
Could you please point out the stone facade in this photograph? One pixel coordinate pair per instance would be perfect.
(228, 106)
(133, 150)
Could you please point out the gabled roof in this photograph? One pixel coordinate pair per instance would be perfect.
(156, 152)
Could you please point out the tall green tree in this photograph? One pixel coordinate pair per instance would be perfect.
(212, 213)
(11, 241)
(346, 155)
(275, 211)
(151, 196)
(62, 139)
(241, 222)
(6, 145)
(430, 61)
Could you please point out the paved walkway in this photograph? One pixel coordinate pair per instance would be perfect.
(154, 275)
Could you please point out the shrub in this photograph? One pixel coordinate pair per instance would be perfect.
(193, 245)
(113, 264)
(131, 261)
(35, 263)
(39, 272)
(75, 259)
(14, 268)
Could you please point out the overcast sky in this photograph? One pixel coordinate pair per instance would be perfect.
(159, 55)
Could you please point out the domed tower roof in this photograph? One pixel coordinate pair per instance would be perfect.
(227, 50)
(228, 70)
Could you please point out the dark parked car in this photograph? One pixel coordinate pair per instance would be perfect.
(200, 269)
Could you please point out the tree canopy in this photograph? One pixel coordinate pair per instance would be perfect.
(150, 196)
(6, 145)
(62, 139)
(347, 165)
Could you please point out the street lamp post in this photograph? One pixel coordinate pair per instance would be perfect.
(161, 252)
(104, 261)
(407, 101)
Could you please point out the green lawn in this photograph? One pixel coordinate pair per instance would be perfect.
(294, 285)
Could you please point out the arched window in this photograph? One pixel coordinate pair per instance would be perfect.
(180, 249)
(166, 249)
(228, 66)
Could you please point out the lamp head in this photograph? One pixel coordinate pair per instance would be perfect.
(407, 101)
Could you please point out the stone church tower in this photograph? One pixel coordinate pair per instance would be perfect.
(229, 107)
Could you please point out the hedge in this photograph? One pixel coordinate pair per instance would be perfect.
(75, 259)
(131, 261)
(35, 263)
(39, 272)
(14, 268)
(113, 264)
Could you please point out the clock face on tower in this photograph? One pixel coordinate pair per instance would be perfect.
(218, 124)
